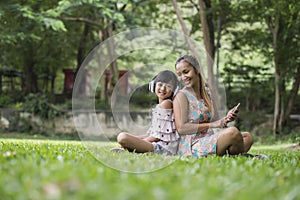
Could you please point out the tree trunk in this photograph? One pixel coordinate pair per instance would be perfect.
(0, 82)
(53, 84)
(30, 77)
(101, 68)
(30, 82)
(102, 88)
(276, 105)
(82, 45)
(292, 98)
(80, 58)
(184, 30)
(275, 28)
(206, 19)
(114, 74)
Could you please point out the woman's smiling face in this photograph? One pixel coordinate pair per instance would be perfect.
(186, 74)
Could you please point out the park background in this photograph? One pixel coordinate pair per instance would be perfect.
(254, 46)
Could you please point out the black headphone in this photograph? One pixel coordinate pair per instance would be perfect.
(152, 86)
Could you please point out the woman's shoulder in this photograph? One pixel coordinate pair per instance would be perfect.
(185, 91)
(181, 94)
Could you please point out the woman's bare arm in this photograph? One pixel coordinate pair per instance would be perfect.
(180, 106)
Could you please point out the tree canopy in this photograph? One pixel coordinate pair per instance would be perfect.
(253, 44)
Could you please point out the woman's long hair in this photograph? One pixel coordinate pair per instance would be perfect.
(204, 89)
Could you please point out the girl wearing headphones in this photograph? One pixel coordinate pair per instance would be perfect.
(162, 137)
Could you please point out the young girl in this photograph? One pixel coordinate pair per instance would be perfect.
(162, 137)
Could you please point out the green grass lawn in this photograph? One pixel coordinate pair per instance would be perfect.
(44, 169)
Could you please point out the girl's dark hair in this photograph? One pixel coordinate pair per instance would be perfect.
(167, 76)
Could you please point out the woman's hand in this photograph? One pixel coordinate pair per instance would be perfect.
(232, 114)
(221, 123)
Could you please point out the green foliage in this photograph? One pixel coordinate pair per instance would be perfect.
(252, 86)
(101, 104)
(269, 139)
(21, 125)
(43, 37)
(5, 101)
(271, 29)
(36, 169)
(37, 44)
(142, 98)
(297, 139)
(18, 105)
(39, 104)
(249, 120)
(56, 25)
(11, 99)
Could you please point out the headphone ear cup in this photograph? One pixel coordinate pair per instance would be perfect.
(152, 86)
(176, 90)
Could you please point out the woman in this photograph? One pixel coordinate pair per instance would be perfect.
(193, 111)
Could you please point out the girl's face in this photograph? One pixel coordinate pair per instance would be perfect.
(163, 90)
(187, 74)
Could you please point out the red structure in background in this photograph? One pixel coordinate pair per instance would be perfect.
(70, 78)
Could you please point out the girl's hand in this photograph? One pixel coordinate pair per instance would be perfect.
(151, 139)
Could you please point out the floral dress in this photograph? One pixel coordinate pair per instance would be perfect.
(199, 143)
(163, 128)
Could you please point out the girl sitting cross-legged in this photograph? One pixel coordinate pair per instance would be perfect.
(162, 137)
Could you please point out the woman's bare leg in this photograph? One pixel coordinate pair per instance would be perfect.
(248, 141)
(230, 140)
(133, 143)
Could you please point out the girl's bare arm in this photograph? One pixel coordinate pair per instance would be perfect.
(151, 139)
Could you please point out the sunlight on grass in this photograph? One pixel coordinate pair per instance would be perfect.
(274, 147)
(47, 169)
